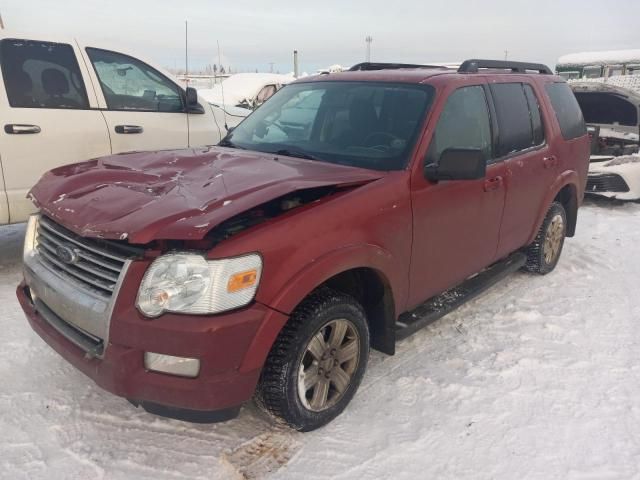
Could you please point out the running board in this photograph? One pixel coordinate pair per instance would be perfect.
(437, 307)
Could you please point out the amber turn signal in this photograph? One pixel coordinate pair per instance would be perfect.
(242, 280)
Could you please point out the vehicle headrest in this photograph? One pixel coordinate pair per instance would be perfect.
(54, 82)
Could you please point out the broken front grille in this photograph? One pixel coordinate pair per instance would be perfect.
(607, 182)
(93, 265)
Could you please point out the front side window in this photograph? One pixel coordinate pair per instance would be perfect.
(265, 93)
(363, 124)
(129, 84)
(463, 123)
(567, 110)
(42, 75)
(514, 118)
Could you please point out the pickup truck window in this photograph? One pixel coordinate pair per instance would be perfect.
(42, 75)
(129, 84)
(463, 123)
(567, 110)
(363, 124)
(514, 118)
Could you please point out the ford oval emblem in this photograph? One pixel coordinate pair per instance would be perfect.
(67, 254)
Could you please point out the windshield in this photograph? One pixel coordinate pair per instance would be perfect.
(367, 125)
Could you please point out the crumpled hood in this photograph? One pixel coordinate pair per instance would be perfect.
(178, 194)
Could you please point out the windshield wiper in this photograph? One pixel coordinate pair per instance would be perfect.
(295, 153)
(228, 143)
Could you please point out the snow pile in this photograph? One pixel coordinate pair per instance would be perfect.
(536, 379)
(611, 57)
(242, 88)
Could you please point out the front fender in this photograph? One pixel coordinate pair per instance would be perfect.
(312, 276)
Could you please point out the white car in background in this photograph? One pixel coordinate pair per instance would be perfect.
(63, 101)
(241, 93)
(612, 114)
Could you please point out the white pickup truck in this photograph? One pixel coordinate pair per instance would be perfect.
(62, 102)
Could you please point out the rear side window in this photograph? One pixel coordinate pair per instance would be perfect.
(536, 117)
(514, 118)
(463, 123)
(567, 110)
(42, 75)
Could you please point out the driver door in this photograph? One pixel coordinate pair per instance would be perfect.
(143, 109)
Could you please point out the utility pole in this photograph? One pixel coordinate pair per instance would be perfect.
(295, 64)
(1, 23)
(368, 40)
(506, 54)
(271, 67)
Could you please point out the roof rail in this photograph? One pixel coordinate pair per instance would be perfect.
(472, 66)
(367, 66)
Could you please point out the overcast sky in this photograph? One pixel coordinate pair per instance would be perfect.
(254, 33)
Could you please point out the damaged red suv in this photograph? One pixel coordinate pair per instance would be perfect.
(345, 213)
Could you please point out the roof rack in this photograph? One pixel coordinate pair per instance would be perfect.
(367, 66)
(472, 66)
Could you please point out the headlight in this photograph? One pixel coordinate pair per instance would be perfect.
(188, 283)
(30, 237)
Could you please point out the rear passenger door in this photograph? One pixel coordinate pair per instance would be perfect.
(144, 109)
(530, 166)
(47, 120)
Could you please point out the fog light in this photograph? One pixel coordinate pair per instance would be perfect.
(181, 366)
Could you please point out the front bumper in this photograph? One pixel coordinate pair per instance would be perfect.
(619, 181)
(220, 342)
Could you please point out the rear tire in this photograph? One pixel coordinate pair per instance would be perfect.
(543, 254)
(317, 362)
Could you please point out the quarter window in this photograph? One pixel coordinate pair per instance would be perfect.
(42, 75)
(567, 110)
(463, 123)
(129, 84)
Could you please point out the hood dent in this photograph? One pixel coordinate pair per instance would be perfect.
(177, 195)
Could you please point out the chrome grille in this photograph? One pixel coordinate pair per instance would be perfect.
(88, 263)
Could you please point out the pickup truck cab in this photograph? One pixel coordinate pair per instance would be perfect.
(62, 101)
(187, 281)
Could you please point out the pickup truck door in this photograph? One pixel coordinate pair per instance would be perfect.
(143, 108)
(49, 117)
(456, 224)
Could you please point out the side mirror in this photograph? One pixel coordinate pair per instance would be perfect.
(192, 101)
(458, 164)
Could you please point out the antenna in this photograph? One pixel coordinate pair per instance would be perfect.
(186, 52)
(224, 104)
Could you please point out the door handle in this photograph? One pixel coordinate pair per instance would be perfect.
(493, 184)
(129, 129)
(19, 129)
(550, 162)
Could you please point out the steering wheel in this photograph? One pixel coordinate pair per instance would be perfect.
(379, 139)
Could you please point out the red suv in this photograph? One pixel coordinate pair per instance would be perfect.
(345, 213)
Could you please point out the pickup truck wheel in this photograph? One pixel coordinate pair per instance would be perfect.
(543, 254)
(317, 361)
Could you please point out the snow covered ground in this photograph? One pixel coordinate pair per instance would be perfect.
(537, 379)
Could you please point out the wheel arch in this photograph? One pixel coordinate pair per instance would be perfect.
(564, 190)
(364, 272)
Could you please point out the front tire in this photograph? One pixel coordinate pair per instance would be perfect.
(317, 361)
(543, 254)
